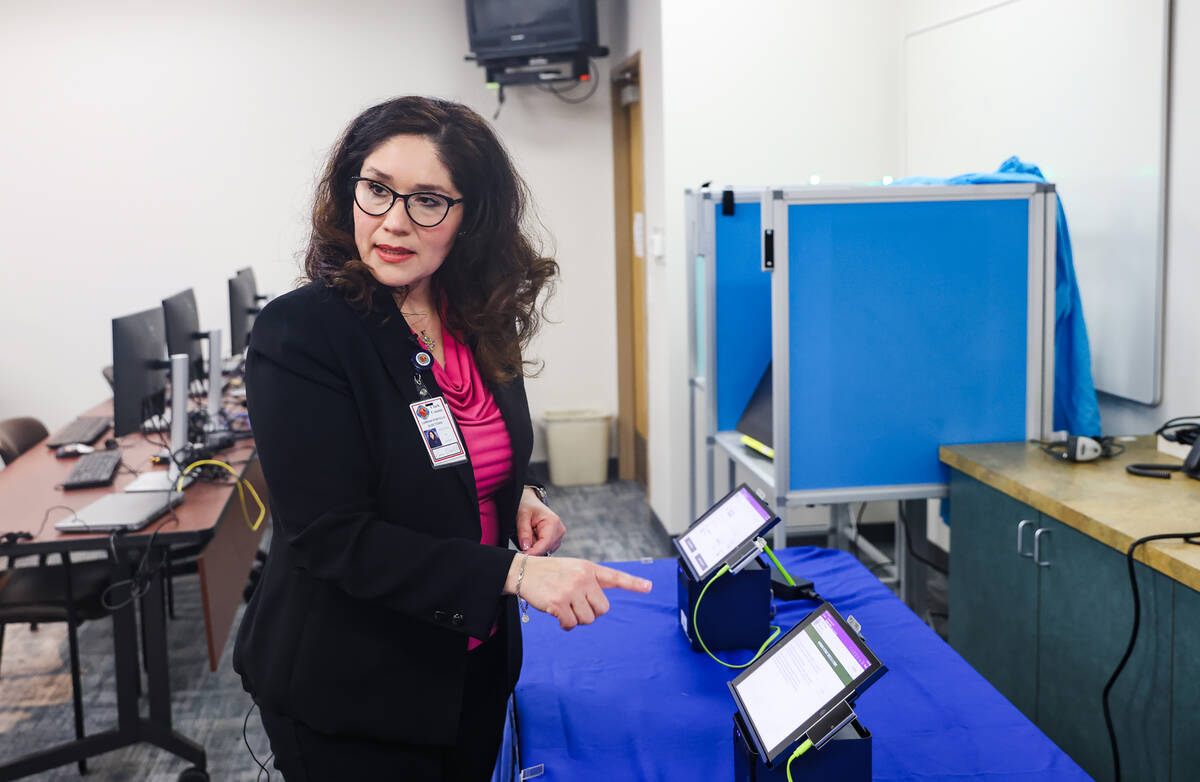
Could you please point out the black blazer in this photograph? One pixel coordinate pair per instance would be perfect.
(375, 576)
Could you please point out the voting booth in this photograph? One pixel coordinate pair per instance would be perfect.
(893, 319)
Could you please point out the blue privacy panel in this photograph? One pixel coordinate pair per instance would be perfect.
(908, 331)
(743, 311)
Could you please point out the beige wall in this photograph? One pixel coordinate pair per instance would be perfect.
(761, 92)
(148, 147)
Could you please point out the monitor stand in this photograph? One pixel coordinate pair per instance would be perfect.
(215, 384)
(166, 480)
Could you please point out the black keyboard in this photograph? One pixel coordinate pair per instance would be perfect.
(93, 469)
(81, 430)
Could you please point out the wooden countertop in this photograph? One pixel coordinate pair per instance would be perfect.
(1097, 498)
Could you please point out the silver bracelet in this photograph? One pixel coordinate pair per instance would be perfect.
(522, 603)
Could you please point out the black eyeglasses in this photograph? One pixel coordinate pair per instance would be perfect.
(424, 209)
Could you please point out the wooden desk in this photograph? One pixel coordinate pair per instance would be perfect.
(210, 515)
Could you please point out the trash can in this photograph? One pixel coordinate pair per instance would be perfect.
(577, 446)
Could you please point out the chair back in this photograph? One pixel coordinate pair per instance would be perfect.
(18, 435)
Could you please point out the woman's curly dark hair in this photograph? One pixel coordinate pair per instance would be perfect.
(493, 274)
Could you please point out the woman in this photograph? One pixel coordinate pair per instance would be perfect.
(382, 641)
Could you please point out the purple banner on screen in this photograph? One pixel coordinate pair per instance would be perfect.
(754, 504)
(849, 645)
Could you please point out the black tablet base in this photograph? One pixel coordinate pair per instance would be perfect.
(735, 612)
(846, 757)
(801, 590)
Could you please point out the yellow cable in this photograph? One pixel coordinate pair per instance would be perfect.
(800, 750)
(696, 626)
(239, 482)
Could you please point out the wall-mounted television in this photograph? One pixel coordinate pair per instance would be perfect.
(505, 29)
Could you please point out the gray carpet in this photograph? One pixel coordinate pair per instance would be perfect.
(611, 522)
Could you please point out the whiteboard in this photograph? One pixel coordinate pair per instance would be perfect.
(1078, 87)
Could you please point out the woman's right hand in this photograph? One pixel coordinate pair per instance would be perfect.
(570, 590)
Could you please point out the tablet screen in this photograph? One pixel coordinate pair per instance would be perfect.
(817, 665)
(737, 518)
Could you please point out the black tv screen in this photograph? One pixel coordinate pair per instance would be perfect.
(499, 29)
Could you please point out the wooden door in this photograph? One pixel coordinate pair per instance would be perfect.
(633, 417)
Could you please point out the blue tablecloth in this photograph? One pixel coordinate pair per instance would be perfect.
(627, 699)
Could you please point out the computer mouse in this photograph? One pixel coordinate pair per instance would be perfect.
(73, 449)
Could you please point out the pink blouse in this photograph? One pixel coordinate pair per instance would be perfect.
(482, 429)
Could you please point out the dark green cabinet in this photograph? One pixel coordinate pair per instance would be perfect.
(1185, 706)
(993, 588)
(1085, 614)
(1044, 612)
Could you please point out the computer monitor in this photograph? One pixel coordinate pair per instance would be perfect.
(242, 309)
(139, 345)
(183, 330)
(248, 275)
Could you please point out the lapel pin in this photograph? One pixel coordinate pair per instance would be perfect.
(422, 360)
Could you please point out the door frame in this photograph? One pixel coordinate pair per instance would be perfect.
(622, 230)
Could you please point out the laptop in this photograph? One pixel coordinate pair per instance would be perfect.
(121, 512)
(757, 420)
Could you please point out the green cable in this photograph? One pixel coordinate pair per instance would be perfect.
(696, 627)
(800, 750)
(788, 576)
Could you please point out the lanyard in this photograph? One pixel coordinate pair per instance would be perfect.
(421, 361)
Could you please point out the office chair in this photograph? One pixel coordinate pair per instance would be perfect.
(71, 593)
(18, 435)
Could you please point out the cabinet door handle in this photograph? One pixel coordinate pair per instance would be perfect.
(1037, 539)
(1021, 539)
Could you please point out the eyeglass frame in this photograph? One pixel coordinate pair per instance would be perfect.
(396, 196)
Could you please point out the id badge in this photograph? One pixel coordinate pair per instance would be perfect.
(439, 432)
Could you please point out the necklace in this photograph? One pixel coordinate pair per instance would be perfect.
(422, 335)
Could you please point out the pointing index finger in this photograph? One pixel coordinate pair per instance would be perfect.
(608, 578)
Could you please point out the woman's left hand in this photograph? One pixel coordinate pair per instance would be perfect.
(539, 529)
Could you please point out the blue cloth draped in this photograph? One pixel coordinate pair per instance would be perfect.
(627, 698)
(1076, 408)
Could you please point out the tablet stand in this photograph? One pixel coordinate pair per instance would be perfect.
(736, 610)
(844, 754)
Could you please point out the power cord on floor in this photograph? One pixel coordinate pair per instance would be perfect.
(262, 768)
(1187, 537)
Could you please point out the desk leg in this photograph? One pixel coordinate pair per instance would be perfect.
(839, 523)
(157, 730)
(125, 652)
(154, 625)
(131, 728)
(901, 556)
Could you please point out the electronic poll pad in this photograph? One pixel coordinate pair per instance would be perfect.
(725, 535)
(805, 683)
